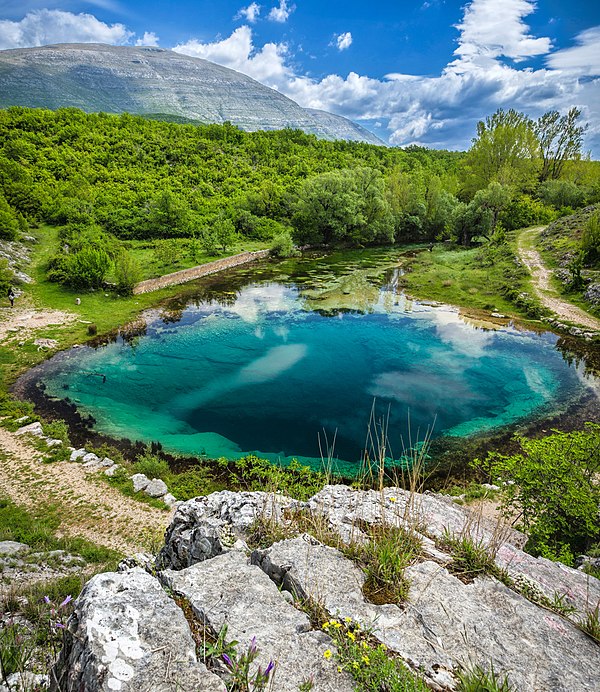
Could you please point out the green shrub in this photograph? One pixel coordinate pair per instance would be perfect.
(199, 480)
(127, 272)
(384, 558)
(252, 473)
(9, 224)
(152, 466)
(283, 245)
(470, 558)
(58, 430)
(552, 484)
(590, 238)
(561, 193)
(368, 662)
(7, 278)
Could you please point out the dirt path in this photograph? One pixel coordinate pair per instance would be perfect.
(542, 283)
(89, 508)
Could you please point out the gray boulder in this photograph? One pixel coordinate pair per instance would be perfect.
(9, 548)
(170, 500)
(111, 470)
(228, 590)
(90, 459)
(77, 455)
(156, 488)
(127, 635)
(31, 429)
(140, 482)
(206, 526)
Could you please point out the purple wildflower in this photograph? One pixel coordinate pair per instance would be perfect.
(227, 660)
(46, 599)
(68, 599)
(269, 668)
(59, 625)
(252, 647)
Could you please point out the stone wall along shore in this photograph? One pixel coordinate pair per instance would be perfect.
(185, 275)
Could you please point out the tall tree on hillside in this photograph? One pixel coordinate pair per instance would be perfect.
(560, 140)
(505, 150)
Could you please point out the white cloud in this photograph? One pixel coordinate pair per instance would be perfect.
(42, 27)
(266, 64)
(249, 13)
(282, 12)
(582, 59)
(148, 39)
(343, 41)
(490, 30)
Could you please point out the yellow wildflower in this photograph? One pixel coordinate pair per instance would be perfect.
(351, 636)
(327, 654)
(393, 499)
(355, 665)
(366, 659)
(336, 624)
(326, 625)
(383, 647)
(348, 620)
(364, 645)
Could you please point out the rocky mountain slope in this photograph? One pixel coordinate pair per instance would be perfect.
(296, 604)
(147, 80)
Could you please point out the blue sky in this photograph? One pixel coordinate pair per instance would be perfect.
(411, 71)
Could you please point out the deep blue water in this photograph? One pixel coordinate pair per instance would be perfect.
(261, 370)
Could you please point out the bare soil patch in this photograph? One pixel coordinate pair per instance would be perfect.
(89, 508)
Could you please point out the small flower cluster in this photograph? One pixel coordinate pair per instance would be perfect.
(365, 660)
(239, 669)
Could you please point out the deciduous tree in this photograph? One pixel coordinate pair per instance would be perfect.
(560, 139)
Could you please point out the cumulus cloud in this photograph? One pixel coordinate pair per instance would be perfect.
(484, 35)
(281, 12)
(42, 27)
(238, 52)
(249, 13)
(582, 59)
(438, 111)
(343, 41)
(148, 39)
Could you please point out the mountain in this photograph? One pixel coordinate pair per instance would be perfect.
(146, 80)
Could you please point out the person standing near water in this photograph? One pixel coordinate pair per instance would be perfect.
(11, 297)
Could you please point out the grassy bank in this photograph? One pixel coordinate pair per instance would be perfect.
(104, 310)
(485, 278)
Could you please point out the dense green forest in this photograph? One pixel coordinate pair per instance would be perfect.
(102, 177)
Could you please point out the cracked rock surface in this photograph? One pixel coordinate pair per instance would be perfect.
(126, 634)
(229, 590)
(446, 624)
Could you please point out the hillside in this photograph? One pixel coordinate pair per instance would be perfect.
(117, 79)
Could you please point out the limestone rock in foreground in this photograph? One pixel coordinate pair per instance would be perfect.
(347, 509)
(127, 635)
(446, 624)
(228, 590)
(205, 526)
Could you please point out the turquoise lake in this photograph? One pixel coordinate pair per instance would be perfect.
(284, 358)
